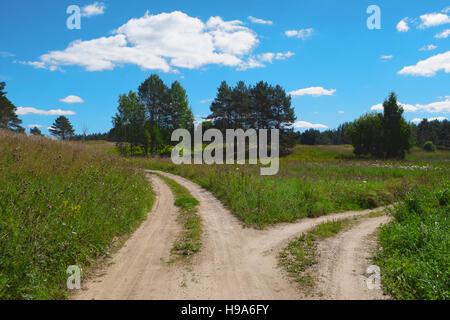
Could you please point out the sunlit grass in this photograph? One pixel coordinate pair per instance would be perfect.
(61, 204)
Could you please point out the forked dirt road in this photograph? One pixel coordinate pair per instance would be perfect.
(234, 262)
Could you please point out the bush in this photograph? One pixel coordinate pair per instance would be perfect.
(429, 146)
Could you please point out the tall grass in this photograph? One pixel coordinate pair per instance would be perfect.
(61, 204)
(304, 188)
(415, 247)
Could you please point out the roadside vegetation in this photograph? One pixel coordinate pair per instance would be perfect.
(61, 204)
(190, 240)
(313, 181)
(301, 254)
(414, 256)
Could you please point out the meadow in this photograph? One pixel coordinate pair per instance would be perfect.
(312, 181)
(61, 204)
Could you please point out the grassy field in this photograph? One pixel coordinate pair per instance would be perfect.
(414, 256)
(313, 181)
(61, 204)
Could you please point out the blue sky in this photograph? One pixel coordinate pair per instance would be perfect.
(322, 52)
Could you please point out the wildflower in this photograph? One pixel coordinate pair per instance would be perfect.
(49, 206)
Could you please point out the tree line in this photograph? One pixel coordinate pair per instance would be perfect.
(259, 106)
(145, 120)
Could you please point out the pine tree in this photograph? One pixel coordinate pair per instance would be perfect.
(62, 128)
(35, 131)
(8, 117)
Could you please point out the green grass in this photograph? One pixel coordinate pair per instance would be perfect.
(414, 257)
(190, 241)
(313, 181)
(301, 254)
(61, 204)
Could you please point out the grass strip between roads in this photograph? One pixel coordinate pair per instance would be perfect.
(301, 254)
(190, 241)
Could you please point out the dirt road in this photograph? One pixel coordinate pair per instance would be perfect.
(234, 263)
(344, 260)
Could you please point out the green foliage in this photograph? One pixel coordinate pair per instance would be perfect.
(8, 116)
(61, 204)
(415, 246)
(147, 119)
(261, 106)
(62, 128)
(435, 131)
(35, 131)
(429, 146)
(312, 181)
(384, 135)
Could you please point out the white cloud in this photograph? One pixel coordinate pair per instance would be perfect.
(302, 33)
(55, 112)
(433, 19)
(386, 57)
(434, 107)
(341, 112)
(206, 101)
(72, 99)
(259, 21)
(418, 120)
(403, 26)
(162, 42)
(304, 124)
(6, 54)
(313, 91)
(36, 126)
(446, 10)
(406, 107)
(268, 57)
(428, 47)
(429, 67)
(443, 35)
(93, 9)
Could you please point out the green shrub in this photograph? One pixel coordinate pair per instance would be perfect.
(415, 247)
(429, 146)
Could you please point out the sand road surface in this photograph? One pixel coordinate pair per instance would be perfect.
(234, 262)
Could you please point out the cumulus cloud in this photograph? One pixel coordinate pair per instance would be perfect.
(386, 57)
(428, 47)
(72, 99)
(259, 21)
(433, 19)
(434, 107)
(94, 9)
(429, 67)
(443, 35)
(304, 124)
(302, 33)
(418, 120)
(268, 57)
(313, 91)
(162, 42)
(403, 26)
(21, 111)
